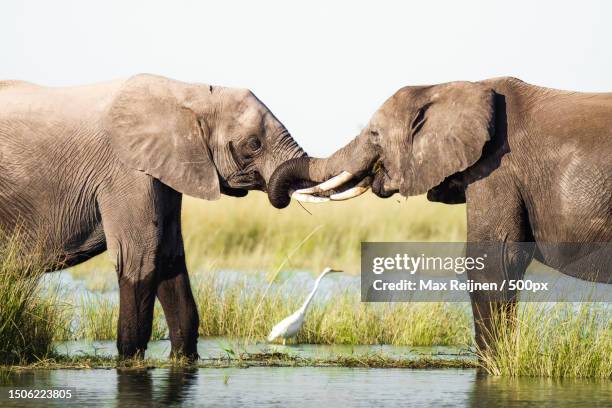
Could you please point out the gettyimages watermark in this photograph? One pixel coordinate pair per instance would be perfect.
(495, 271)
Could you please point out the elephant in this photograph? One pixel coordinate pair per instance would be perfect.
(104, 166)
(532, 164)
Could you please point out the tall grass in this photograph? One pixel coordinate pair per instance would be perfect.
(29, 320)
(98, 316)
(243, 309)
(552, 340)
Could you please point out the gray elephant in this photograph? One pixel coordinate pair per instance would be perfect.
(105, 166)
(533, 164)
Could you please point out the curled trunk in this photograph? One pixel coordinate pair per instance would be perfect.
(284, 178)
(356, 158)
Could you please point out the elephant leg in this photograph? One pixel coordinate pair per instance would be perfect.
(136, 214)
(136, 302)
(498, 225)
(176, 298)
(505, 261)
(174, 290)
(486, 313)
(136, 266)
(174, 294)
(136, 272)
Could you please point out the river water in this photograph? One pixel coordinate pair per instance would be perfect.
(307, 387)
(296, 386)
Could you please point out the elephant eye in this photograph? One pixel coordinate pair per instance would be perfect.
(253, 143)
(375, 136)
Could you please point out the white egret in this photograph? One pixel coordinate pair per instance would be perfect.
(290, 325)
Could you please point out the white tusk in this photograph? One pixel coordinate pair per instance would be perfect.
(328, 185)
(307, 198)
(350, 193)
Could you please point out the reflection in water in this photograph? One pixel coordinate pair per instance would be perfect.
(172, 387)
(541, 392)
(309, 386)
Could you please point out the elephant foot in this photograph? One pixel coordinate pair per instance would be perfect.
(131, 351)
(188, 350)
(191, 357)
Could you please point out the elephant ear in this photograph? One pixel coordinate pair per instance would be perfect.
(153, 129)
(449, 129)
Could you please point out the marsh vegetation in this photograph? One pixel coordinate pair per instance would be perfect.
(29, 320)
(270, 248)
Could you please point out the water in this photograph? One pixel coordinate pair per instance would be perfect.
(307, 387)
(289, 280)
(297, 386)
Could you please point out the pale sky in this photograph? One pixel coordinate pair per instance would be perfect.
(322, 67)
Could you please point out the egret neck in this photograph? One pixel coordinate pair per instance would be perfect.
(302, 310)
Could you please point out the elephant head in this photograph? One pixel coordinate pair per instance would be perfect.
(420, 140)
(198, 139)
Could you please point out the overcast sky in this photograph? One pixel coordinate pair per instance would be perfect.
(322, 67)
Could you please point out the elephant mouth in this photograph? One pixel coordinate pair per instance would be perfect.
(233, 192)
(375, 179)
(250, 180)
(378, 182)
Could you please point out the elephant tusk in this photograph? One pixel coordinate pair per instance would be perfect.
(328, 185)
(348, 194)
(307, 198)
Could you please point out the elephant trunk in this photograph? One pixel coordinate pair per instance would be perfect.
(348, 167)
(284, 178)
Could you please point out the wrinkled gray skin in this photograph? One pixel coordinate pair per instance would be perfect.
(533, 164)
(102, 167)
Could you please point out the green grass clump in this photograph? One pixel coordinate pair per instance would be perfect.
(560, 340)
(99, 315)
(97, 318)
(29, 319)
(242, 360)
(244, 309)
